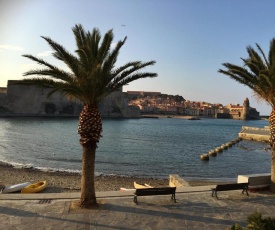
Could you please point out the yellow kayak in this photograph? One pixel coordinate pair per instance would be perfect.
(33, 188)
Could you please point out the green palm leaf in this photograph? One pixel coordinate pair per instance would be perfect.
(258, 72)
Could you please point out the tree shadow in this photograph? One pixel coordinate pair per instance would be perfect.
(26, 214)
(173, 211)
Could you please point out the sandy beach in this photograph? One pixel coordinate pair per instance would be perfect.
(70, 182)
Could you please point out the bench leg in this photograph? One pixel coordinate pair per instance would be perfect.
(245, 190)
(173, 197)
(135, 199)
(214, 191)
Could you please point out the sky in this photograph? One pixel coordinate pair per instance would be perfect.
(188, 39)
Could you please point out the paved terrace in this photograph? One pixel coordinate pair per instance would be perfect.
(195, 209)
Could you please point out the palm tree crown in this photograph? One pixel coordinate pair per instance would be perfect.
(258, 72)
(93, 74)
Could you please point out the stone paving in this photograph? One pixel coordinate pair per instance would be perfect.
(193, 210)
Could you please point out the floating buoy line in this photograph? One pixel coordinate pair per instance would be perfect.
(214, 152)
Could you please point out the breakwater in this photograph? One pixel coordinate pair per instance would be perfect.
(255, 133)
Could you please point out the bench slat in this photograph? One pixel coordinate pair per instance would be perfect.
(155, 191)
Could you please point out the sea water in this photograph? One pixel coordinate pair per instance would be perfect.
(137, 147)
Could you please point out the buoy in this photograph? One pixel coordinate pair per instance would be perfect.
(204, 157)
(224, 147)
(212, 153)
(229, 144)
(218, 149)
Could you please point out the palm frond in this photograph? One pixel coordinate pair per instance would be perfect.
(258, 72)
(238, 73)
(38, 60)
(105, 46)
(120, 69)
(111, 58)
(263, 54)
(54, 73)
(130, 78)
(79, 34)
(256, 58)
(62, 54)
(135, 67)
(271, 57)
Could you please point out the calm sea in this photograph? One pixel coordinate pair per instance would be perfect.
(137, 147)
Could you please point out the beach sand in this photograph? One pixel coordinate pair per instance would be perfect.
(70, 182)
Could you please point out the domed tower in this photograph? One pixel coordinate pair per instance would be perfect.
(245, 114)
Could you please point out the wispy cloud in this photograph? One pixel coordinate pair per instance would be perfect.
(11, 47)
(45, 53)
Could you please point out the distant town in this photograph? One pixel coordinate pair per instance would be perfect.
(158, 103)
(19, 100)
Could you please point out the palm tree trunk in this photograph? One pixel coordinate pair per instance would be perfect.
(88, 197)
(89, 128)
(272, 144)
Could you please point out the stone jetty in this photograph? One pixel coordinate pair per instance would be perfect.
(255, 134)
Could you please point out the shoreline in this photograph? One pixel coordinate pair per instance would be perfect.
(60, 182)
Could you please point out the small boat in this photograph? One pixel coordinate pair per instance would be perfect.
(33, 188)
(136, 185)
(15, 187)
(193, 118)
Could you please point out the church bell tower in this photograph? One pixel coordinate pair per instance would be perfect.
(245, 114)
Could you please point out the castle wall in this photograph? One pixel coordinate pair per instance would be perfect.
(254, 114)
(222, 115)
(23, 99)
(30, 100)
(116, 105)
(3, 99)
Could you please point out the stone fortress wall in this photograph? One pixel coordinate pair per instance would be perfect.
(33, 101)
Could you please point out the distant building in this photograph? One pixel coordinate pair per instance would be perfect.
(244, 112)
(132, 95)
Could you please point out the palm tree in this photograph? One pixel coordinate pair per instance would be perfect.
(258, 73)
(92, 77)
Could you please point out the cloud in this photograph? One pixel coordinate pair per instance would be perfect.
(45, 53)
(11, 47)
(113, 45)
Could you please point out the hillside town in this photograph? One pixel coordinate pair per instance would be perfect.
(20, 100)
(157, 103)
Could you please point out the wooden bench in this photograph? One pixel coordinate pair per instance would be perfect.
(227, 187)
(155, 192)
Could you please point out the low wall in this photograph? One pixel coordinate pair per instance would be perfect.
(256, 181)
(176, 180)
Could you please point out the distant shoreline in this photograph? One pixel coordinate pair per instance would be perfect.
(12, 115)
